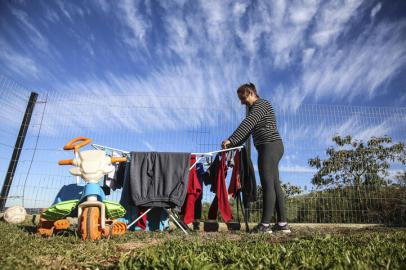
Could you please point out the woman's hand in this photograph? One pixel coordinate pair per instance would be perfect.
(225, 144)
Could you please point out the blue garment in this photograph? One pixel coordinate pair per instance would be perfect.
(69, 192)
(200, 172)
(157, 218)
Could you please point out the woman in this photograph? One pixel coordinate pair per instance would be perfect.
(261, 123)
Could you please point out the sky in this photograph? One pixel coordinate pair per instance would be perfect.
(327, 67)
(339, 52)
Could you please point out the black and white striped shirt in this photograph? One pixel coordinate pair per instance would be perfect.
(260, 122)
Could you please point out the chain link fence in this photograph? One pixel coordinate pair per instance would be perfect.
(140, 122)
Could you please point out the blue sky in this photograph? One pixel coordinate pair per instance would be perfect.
(340, 52)
(193, 55)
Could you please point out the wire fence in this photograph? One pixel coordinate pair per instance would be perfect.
(140, 122)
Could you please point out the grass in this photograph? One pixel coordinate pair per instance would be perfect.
(305, 248)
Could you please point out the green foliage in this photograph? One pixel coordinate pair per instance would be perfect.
(305, 248)
(365, 251)
(353, 162)
(291, 190)
(401, 179)
(367, 204)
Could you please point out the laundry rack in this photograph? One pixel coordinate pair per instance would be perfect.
(199, 156)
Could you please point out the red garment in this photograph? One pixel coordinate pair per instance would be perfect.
(194, 189)
(142, 222)
(235, 183)
(221, 198)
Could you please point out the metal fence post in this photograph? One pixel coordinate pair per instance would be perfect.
(17, 150)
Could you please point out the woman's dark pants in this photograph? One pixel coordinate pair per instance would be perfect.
(269, 155)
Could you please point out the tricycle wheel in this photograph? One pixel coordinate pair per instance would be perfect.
(90, 223)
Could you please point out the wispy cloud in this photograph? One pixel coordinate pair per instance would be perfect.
(139, 105)
(22, 65)
(376, 9)
(102, 4)
(332, 19)
(30, 30)
(135, 22)
(207, 49)
(297, 169)
(357, 68)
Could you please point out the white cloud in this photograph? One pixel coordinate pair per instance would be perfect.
(288, 99)
(135, 22)
(20, 64)
(376, 9)
(307, 55)
(288, 26)
(297, 169)
(332, 20)
(103, 4)
(31, 31)
(356, 68)
(64, 8)
(51, 15)
(138, 105)
(239, 8)
(221, 44)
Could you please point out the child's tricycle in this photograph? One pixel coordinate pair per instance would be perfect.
(97, 216)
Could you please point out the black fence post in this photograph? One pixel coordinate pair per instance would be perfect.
(17, 150)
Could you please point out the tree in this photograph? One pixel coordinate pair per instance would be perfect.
(290, 189)
(401, 179)
(287, 187)
(353, 162)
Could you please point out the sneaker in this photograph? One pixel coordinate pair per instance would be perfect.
(283, 229)
(260, 228)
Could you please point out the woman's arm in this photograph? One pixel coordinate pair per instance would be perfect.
(241, 134)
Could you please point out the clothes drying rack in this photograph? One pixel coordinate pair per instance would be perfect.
(199, 156)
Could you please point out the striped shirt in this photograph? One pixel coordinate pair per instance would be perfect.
(260, 122)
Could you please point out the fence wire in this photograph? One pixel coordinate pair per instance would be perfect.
(141, 122)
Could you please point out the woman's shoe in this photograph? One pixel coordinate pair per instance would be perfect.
(283, 229)
(261, 228)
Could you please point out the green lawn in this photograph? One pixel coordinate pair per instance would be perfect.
(305, 248)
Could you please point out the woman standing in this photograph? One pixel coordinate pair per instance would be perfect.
(261, 123)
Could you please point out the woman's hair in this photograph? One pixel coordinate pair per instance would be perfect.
(245, 89)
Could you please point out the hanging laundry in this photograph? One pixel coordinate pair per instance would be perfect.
(235, 183)
(194, 191)
(247, 178)
(220, 201)
(209, 177)
(159, 179)
(198, 203)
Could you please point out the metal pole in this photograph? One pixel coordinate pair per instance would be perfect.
(17, 150)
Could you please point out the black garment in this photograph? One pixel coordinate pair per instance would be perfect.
(247, 178)
(120, 174)
(210, 176)
(269, 155)
(159, 179)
